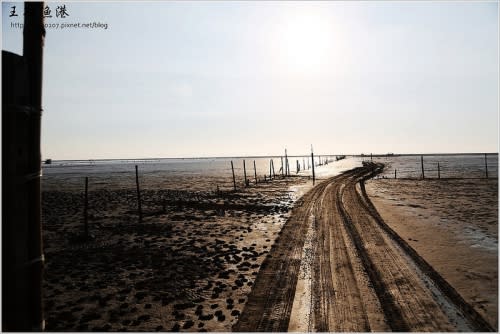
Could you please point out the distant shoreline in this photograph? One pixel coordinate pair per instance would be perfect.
(274, 156)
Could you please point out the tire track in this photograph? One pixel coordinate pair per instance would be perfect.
(446, 290)
(344, 299)
(365, 278)
(270, 301)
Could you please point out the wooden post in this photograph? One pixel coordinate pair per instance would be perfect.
(255, 171)
(303, 163)
(486, 164)
(245, 172)
(371, 156)
(439, 171)
(422, 165)
(312, 159)
(85, 208)
(22, 246)
(139, 208)
(286, 164)
(395, 172)
(282, 167)
(272, 166)
(297, 165)
(234, 179)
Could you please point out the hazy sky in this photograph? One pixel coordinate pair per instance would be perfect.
(180, 79)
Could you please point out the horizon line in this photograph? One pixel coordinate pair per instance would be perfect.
(271, 156)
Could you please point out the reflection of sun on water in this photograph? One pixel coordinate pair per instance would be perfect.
(304, 42)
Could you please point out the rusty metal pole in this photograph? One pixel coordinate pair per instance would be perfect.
(22, 250)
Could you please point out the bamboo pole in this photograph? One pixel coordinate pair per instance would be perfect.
(33, 41)
(255, 171)
(22, 246)
(422, 165)
(439, 171)
(282, 167)
(139, 208)
(272, 166)
(486, 164)
(312, 159)
(297, 166)
(85, 207)
(245, 173)
(287, 172)
(234, 179)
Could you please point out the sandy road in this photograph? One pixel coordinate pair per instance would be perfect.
(363, 276)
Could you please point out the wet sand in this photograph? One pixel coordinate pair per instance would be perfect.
(188, 266)
(453, 225)
(192, 262)
(338, 267)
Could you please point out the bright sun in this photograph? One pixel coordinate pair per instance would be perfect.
(305, 40)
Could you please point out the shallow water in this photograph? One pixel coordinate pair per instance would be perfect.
(202, 174)
(194, 174)
(450, 166)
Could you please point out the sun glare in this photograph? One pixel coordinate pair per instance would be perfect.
(305, 40)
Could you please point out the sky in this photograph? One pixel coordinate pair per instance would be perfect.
(200, 79)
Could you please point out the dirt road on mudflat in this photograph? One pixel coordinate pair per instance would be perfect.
(338, 267)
